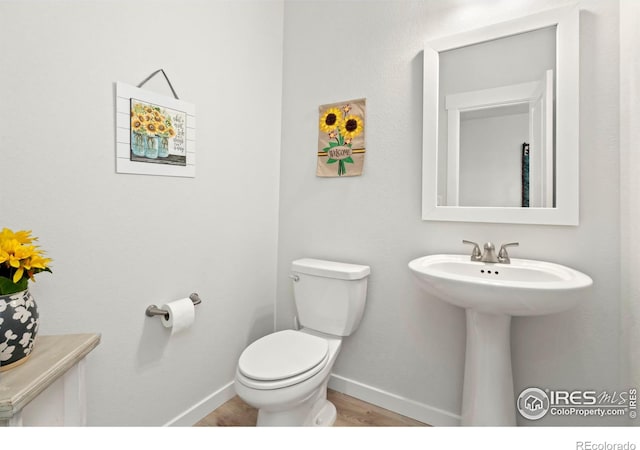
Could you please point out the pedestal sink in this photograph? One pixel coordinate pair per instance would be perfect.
(491, 294)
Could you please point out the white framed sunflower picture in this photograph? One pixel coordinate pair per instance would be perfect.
(155, 134)
(341, 143)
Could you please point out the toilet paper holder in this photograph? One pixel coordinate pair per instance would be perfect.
(153, 310)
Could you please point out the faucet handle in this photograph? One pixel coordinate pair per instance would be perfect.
(476, 254)
(503, 256)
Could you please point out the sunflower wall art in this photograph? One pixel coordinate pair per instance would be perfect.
(341, 143)
(155, 133)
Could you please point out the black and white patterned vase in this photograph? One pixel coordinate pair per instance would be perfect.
(18, 328)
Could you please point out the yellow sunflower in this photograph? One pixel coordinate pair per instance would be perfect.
(151, 127)
(23, 237)
(171, 132)
(330, 120)
(19, 257)
(161, 127)
(136, 124)
(351, 127)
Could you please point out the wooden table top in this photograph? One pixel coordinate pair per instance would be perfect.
(51, 358)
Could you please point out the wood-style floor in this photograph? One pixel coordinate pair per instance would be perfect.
(351, 413)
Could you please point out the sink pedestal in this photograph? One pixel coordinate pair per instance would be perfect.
(487, 397)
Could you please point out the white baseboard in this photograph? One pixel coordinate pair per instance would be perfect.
(191, 416)
(392, 402)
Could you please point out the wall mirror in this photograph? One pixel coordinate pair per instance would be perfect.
(501, 122)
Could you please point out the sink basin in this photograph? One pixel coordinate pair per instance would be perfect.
(523, 288)
(491, 294)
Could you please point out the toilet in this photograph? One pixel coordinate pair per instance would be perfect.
(285, 374)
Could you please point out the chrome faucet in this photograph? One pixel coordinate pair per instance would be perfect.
(489, 254)
(476, 255)
(503, 256)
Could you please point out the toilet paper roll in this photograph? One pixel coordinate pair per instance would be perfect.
(181, 314)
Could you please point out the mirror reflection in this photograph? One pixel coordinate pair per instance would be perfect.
(496, 122)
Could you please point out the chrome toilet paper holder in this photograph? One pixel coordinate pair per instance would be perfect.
(153, 310)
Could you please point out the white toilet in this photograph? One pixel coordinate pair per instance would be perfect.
(285, 374)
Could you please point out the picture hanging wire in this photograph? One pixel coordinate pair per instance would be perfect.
(166, 78)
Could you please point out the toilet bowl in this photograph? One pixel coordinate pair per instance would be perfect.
(285, 374)
(296, 394)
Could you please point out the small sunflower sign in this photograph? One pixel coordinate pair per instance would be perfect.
(341, 144)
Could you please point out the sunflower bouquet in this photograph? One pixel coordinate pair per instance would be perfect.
(20, 260)
(341, 127)
(151, 120)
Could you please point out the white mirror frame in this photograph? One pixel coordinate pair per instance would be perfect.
(567, 189)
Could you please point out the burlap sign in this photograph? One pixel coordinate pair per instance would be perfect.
(341, 144)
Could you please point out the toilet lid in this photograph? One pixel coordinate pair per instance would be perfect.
(282, 355)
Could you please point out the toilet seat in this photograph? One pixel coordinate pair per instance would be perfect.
(282, 359)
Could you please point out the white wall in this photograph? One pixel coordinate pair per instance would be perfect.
(630, 187)
(122, 242)
(410, 345)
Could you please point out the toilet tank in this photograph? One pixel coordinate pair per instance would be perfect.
(329, 296)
